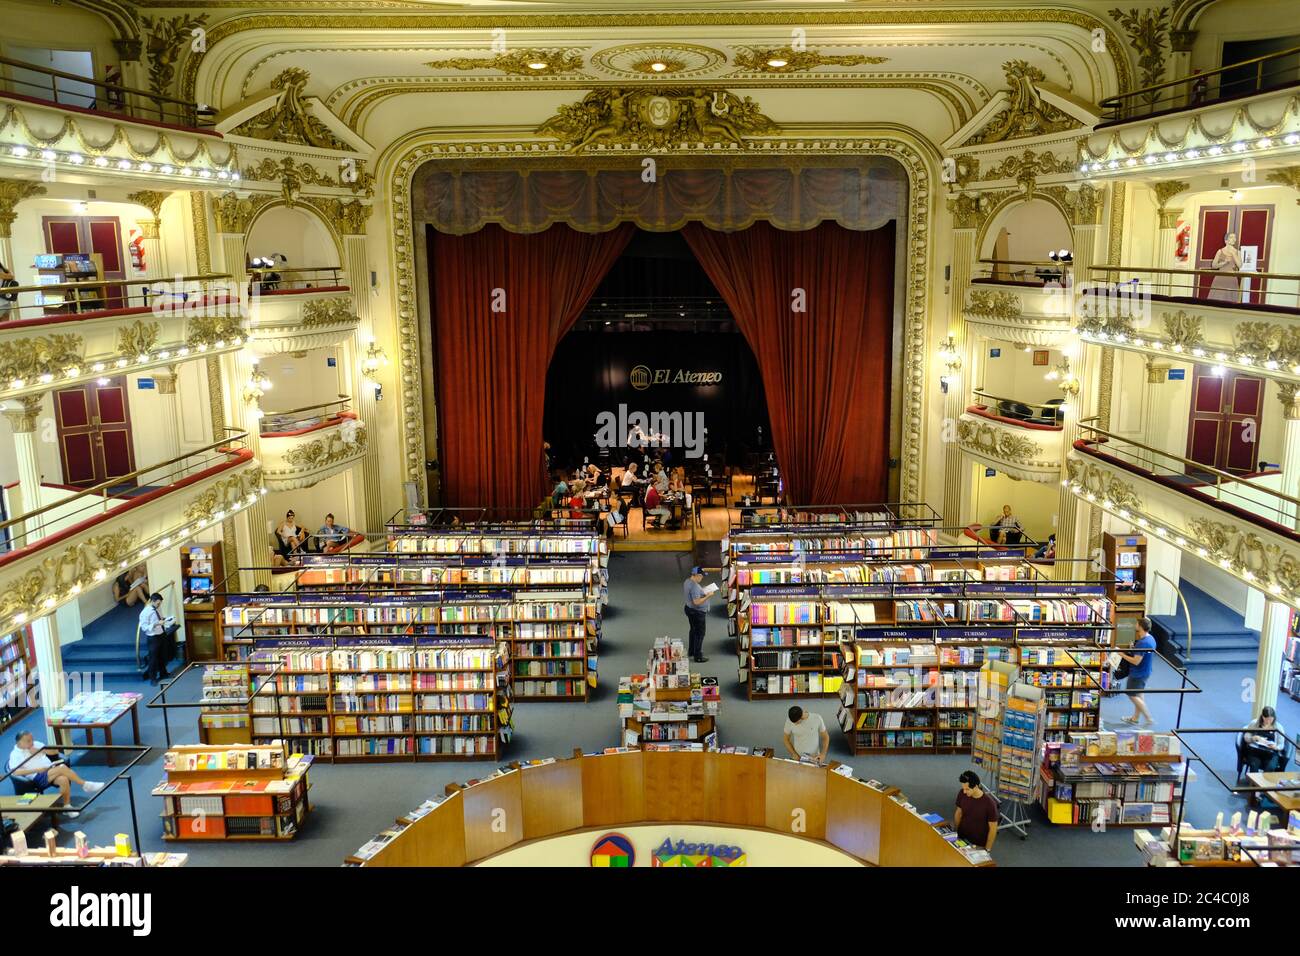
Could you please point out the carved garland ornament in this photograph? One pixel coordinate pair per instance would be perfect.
(1103, 484)
(1268, 342)
(1027, 114)
(336, 310)
(1247, 553)
(26, 360)
(994, 304)
(12, 192)
(796, 61)
(138, 338)
(290, 121)
(988, 439)
(324, 452)
(1027, 167)
(1147, 32)
(208, 330)
(56, 575)
(517, 62)
(1181, 329)
(225, 494)
(656, 118)
(165, 38)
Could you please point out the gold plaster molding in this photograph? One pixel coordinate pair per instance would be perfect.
(55, 577)
(995, 304)
(151, 199)
(972, 210)
(1268, 342)
(1101, 483)
(1148, 32)
(1290, 176)
(1247, 555)
(655, 119)
(324, 452)
(24, 419)
(322, 313)
(757, 59)
(224, 494)
(1027, 114)
(138, 338)
(346, 217)
(26, 360)
(12, 192)
(289, 121)
(164, 39)
(233, 215)
(986, 438)
(1184, 330)
(517, 62)
(205, 331)
(1027, 167)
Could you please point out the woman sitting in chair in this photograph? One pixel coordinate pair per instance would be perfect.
(1263, 743)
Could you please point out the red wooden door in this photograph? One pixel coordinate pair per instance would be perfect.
(91, 234)
(94, 428)
(1225, 422)
(1253, 226)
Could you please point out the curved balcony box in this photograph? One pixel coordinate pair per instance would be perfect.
(1243, 529)
(1025, 314)
(57, 350)
(300, 459)
(1206, 139)
(86, 544)
(1019, 449)
(87, 146)
(1260, 336)
(297, 320)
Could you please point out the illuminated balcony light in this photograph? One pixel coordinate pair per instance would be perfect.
(183, 350)
(1123, 513)
(164, 354)
(142, 359)
(203, 346)
(121, 363)
(186, 171)
(235, 177)
(1218, 370)
(1140, 343)
(45, 378)
(1215, 150)
(72, 371)
(1113, 164)
(1291, 139)
(20, 617)
(205, 174)
(19, 151)
(76, 159)
(1192, 154)
(1143, 522)
(1221, 356)
(1170, 157)
(1083, 167)
(146, 167)
(1151, 158)
(124, 164)
(48, 603)
(1180, 541)
(1264, 143)
(97, 367)
(1238, 147)
(101, 382)
(49, 155)
(220, 343)
(1130, 162)
(101, 161)
(166, 170)
(17, 383)
(262, 490)
(219, 514)
(1198, 352)
(1176, 348)
(1201, 552)
(165, 542)
(1248, 575)
(100, 574)
(1271, 365)
(1162, 532)
(223, 175)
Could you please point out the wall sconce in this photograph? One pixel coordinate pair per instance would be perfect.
(951, 360)
(1064, 378)
(374, 360)
(258, 385)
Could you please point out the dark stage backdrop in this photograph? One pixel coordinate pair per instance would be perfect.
(592, 373)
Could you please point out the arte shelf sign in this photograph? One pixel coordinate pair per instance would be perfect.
(616, 850)
(642, 377)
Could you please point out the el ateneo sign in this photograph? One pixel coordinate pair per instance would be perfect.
(641, 377)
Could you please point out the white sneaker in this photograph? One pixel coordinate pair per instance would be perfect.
(92, 786)
(70, 815)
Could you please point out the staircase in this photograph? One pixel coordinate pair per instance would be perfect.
(107, 647)
(1220, 638)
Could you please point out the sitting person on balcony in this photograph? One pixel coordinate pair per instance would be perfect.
(30, 762)
(290, 540)
(1047, 550)
(331, 537)
(1007, 528)
(578, 501)
(131, 587)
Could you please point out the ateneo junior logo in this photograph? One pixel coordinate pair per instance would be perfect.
(640, 378)
(613, 850)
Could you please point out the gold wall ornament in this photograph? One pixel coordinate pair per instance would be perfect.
(972, 210)
(787, 59)
(233, 214)
(24, 418)
(205, 331)
(1148, 31)
(336, 310)
(1290, 176)
(55, 576)
(1167, 190)
(995, 442)
(347, 217)
(1111, 490)
(26, 360)
(225, 494)
(164, 39)
(1187, 331)
(656, 118)
(12, 192)
(1103, 318)
(290, 120)
(1247, 553)
(527, 62)
(1027, 114)
(1027, 167)
(1287, 393)
(324, 452)
(1082, 206)
(996, 304)
(1268, 342)
(269, 171)
(643, 60)
(151, 199)
(138, 338)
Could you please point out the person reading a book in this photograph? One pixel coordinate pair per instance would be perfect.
(1140, 664)
(131, 587)
(976, 818)
(1007, 528)
(290, 539)
(159, 631)
(806, 736)
(330, 537)
(696, 597)
(1263, 745)
(30, 760)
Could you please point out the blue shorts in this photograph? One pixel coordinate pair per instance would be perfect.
(1136, 683)
(42, 780)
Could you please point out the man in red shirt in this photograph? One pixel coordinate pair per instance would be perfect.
(977, 812)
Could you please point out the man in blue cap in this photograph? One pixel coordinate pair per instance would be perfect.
(696, 597)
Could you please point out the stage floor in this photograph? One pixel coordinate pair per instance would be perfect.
(715, 521)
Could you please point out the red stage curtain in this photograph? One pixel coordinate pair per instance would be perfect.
(825, 370)
(490, 366)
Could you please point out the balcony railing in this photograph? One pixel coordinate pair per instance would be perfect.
(1272, 71)
(1247, 496)
(1267, 291)
(64, 301)
(280, 281)
(1034, 273)
(69, 90)
(1014, 411)
(308, 418)
(60, 519)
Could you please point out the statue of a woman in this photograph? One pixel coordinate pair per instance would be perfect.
(1227, 259)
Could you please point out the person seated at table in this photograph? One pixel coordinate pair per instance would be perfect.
(592, 476)
(660, 477)
(560, 493)
(290, 539)
(631, 480)
(30, 761)
(131, 587)
(1047, 550)
(654, 506)
(1263, 743)
(331, 537)
(578, 501)
(1007, 528)
(615, 516)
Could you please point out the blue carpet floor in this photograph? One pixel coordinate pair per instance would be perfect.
(352, 802)
(1219, 634)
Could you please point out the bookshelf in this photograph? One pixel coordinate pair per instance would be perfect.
(18, 676)
(1121, 778)
(224, 717)
(60, 268)
(254, 792)
(668, 707)
(1125, 556)
(202, 571)
(1289, 677)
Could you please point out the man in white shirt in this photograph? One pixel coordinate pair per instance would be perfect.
(159, 632)
(30, 761)
(806, 736)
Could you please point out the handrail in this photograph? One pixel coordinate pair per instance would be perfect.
(1004, 398)
(187, 110)
(56, 286)
(1150, 93)
(1046, 263)
(341, 400)
(93, 295)
(104, 486)
(1187, 614)
(1207, 272)
(262, 270)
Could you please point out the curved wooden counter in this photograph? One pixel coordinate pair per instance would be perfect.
(620, 789)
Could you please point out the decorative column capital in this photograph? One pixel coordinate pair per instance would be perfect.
(22, 413)
(1286, 397)
(1169, 218)
(166, 380)
(12, 192)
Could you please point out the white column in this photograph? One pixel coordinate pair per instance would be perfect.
(357, 265)
(169, 413)
(1166, 559)
(963, 261)
(1272, 641)
(1164, 252)
(23, 415)
(49, 663)
(1290, 479)
(151, 244)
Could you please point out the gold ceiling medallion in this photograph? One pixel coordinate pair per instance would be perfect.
(165, 38)
(1147, 32)
(789, 60)
(12, 192)
(529, 62)
(657, 119)
(1027, 114)
(28, 360)
(290, 121)
(643, 60)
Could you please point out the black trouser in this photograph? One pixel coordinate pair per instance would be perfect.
(697, 619)
(1260, 759)
(159, 652)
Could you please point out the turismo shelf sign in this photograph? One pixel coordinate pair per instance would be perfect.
(975, 633)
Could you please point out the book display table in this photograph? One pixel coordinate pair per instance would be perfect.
(98, 710)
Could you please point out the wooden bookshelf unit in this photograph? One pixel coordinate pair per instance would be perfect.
(202, 571)
(251, 792)
(18, 676)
